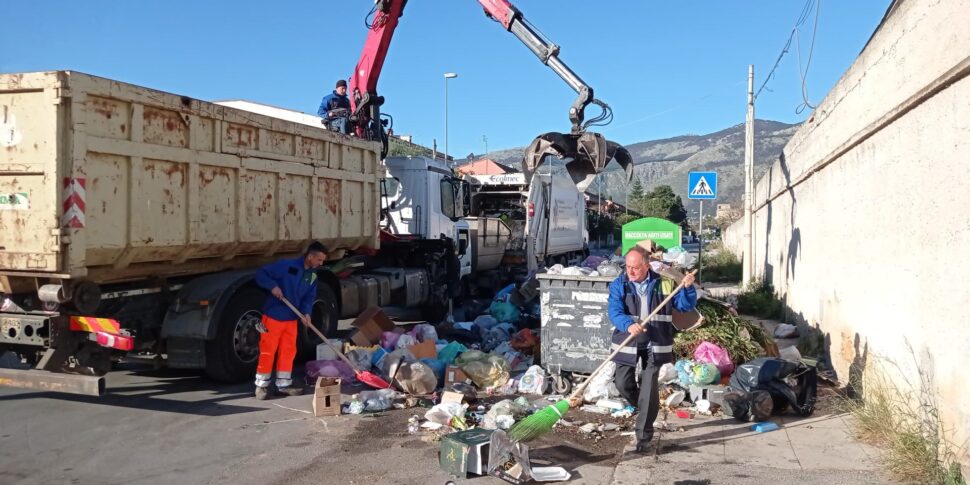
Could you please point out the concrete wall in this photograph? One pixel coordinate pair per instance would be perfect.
(863, 224)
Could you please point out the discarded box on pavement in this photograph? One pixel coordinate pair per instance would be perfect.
(465, 452)
(326, 397)
(424, 350)
(454, 375)
(714, 394)
(369, 326)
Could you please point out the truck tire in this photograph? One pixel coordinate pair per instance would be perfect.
(324, 316)
(232, 355)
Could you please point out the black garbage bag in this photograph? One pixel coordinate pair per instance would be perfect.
(748, 406)
(771, 374)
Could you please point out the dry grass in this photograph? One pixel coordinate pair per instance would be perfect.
(913, 438)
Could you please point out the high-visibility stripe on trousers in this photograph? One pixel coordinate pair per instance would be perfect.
(277, 345)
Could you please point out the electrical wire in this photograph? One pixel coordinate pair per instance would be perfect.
(804, 73)
(802, 17)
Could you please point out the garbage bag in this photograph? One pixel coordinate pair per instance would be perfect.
(714, 354)
(524, 341)
(361, 358)
(684, 370)
(470, 356)
(593, 262)
(504, 408)
(785, 330)
(667, 374)
(496, 336)
(438, 367)
(450, 352)
(576, 271)
(501, 450)
(599, 387)
(554, 269)
(504, 293)
(533, 381)
(489, 372)
(609, 268)
(443, 413)
(389, 340)
(504, 311)
(394, 360)
(771, 374)
(405, 341)
(379, 400)
(416, 378)
(329, 368)
(424, 332)
(705, 373)
(468, 390)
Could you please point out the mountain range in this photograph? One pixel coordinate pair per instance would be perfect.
(668, 161)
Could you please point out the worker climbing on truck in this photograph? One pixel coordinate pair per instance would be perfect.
(296, 280)
(335, 108)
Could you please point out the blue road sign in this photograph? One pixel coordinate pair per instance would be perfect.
(702, 185)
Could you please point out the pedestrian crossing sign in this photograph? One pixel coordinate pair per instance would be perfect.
(702, 185)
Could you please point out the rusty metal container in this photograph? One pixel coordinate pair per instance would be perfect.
(109, 182)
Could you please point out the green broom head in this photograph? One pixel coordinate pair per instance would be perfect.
(539, 423)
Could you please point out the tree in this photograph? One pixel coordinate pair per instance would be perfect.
(662, 202)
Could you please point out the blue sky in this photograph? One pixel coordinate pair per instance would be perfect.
(666, 68)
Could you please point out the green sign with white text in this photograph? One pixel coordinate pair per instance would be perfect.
(661, 231)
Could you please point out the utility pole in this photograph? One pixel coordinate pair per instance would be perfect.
(748, 248)
(485, 139)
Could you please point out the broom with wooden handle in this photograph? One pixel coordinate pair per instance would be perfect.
(542, 421)
(366, 377)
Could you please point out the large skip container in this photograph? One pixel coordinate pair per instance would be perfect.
(108, 182)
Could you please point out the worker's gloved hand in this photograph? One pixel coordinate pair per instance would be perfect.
(277, 292)
(261, 328)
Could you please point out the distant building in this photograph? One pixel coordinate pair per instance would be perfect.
(485, 166)
(727, 213)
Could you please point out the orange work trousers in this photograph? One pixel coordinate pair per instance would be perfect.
(278, 346)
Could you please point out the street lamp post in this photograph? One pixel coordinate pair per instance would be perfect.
(448, 75)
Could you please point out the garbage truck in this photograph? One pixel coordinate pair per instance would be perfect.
(132, 222)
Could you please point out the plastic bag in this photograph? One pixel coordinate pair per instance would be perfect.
(533, 381)
(684, 370)
(593, 262)
(450, 352)
(329, 368)
(490, 372)
(554, 269)
(712, 353)
(424, 332)
(608, 268)
(389, 340)
(395, 360)
(405, 341)
(416, 378)
(437, 366)
(599, 387)
(785, 330)
(361, 358)
(576, 271)
(445, 412)
(496, 336)
(504, 311)
(505, 407)
(504, 293)
(704, 374)
(470, 356)
(379, 400)
(485, 322)
(524, 341)
(667, 374)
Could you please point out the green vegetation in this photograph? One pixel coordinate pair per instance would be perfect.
(759, 300)
(660, 202)
(912, 437)
(721, 266)
(744, 340)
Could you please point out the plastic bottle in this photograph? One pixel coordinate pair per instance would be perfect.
(355, 406)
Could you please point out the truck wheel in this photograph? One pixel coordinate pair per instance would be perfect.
(324, 316)
(232, 355)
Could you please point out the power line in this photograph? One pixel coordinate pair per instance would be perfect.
(802, 17)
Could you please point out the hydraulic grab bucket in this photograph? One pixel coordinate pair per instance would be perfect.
(586, 155)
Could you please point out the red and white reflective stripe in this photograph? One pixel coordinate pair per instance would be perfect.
(119, 342)
(74, 201)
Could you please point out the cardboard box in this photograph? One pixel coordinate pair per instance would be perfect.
(326, 397)
(369, 326)
(454, 375)
(424, 350)
(452, 397)
(465, 452)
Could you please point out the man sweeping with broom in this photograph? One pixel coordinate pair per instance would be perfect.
(633, 297)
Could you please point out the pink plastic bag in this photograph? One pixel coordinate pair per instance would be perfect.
(707, 352)
(389, 340)
(329, 368)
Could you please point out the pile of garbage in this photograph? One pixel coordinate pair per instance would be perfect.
(742, 339)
